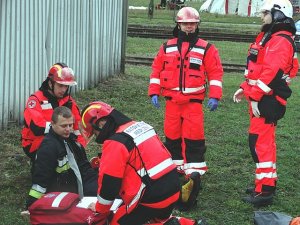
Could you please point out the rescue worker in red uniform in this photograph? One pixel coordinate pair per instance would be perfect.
(184, 68)
(135, 167)
(54, 92)
(271, 64)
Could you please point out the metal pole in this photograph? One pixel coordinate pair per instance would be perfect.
(151, 9)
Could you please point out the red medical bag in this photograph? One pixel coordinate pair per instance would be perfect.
(61, 208)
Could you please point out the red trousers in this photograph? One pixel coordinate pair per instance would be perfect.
(182, 221)
(263, 150)
(184, 131)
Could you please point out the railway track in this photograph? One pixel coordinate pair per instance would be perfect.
(147, 61)
(166, 33)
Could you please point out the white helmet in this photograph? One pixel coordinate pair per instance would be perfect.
(283, 6)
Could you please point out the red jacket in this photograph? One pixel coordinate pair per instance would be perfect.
(37, 117)
(182, 75)
(128, 156)
(276, 58)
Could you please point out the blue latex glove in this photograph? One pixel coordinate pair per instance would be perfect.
(213, 104)
(154, 101)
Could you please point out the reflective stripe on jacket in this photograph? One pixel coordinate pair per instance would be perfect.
(183, 73)
(131, 159)
(37, 117)
(265, 64)
(52, 171)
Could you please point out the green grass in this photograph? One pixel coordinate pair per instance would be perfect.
(229, 53)
(209, 21)
(230, 165)
(215, 22)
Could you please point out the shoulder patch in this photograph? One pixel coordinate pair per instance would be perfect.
(31, 104)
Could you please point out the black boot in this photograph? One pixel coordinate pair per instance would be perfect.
(259, 199)
(189, 192)
(250, 190)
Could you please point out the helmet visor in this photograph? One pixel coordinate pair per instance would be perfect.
(66, 77)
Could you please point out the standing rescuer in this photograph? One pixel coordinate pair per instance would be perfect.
(135, 166)
(183, 69)
(54, 92)
(271, 64)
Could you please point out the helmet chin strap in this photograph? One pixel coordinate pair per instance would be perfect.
(96, 127)
(268, 34)
(51, 88)
(94, 124)
(106, 131)
(99, 139)
(68, 92)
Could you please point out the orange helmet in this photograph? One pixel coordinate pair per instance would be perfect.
(62, 74)
(187, 14)
(92, 113)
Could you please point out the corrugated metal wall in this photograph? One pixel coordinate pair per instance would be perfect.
(87, 35)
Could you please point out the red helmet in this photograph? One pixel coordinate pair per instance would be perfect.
(295, 221)
(187, 14)
(62, 74)
(92, 113)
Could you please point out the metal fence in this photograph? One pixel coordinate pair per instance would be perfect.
(87, 35)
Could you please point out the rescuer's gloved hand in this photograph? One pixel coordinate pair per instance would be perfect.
(154, 101)
(213, 104)
(238, 95)
(255, 110)
(287, 78)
